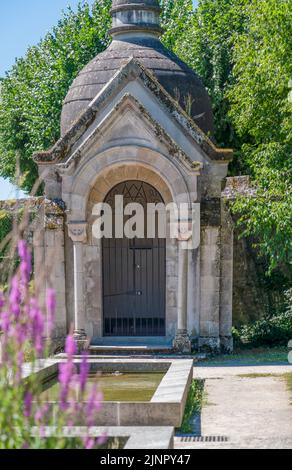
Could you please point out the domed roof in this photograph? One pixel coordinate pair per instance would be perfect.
(135, 35)
(144, 3)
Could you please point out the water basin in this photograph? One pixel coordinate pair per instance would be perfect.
(120, 387)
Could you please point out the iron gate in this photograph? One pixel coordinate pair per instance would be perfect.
(134, 273)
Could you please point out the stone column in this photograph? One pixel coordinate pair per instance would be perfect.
(49, 266)
(210, 289)
(78, 234)
(182, 341)
(226, 281)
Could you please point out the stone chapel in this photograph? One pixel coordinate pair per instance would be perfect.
(137, 122)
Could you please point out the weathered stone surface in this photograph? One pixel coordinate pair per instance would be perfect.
(132, 69)
(252, 298)
(174, 75)
(182, 343)
(211, 212)
(134, 126)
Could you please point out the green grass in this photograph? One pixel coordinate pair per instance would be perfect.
(195, 402)
(257, 376)
(288, 378)
(251, 357)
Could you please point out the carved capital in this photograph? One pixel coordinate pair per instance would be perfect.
(81, 340)
(185, 231)
(77, 231)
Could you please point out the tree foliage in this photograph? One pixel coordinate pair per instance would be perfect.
(206, 46)
(33, 90)
(261, 113)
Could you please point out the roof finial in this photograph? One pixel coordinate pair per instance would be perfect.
(132, 16)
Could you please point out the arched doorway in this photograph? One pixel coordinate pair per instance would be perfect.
(134, 272)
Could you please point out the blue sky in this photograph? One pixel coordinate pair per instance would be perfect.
(22, 24)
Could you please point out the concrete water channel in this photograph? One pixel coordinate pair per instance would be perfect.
(138, 393)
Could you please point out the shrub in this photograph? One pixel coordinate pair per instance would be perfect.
(269, 331)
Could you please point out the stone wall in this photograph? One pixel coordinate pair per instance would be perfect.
(254, 294)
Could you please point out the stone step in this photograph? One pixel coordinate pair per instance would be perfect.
(134, 341)
(131, 345)
(130, 350)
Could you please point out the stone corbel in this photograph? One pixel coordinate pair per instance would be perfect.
(197, 168)
(77, 231)
(185, 231)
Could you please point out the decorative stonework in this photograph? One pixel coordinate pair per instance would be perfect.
(209, 344)
(32, 204)
(77, 231)
(81, 340)
(54, 214)
(185, 231)
(226, 344)
(182, 342)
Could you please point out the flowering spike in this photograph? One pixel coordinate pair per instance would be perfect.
(28, 404)
(51, 307)
(70, 346)
(84, 371)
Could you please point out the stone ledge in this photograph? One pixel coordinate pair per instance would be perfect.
(138, 437)
(167, 405)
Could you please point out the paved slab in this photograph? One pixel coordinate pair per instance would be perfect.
(243, 412)
(205, 372)
(138, 437)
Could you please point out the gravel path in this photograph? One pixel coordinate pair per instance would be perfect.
(243, 412)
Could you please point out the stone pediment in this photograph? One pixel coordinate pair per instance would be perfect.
(132, 71)
(128, 123)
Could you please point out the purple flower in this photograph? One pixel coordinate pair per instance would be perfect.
(70, 346)
(21, 333)
(89, 443)
(23, 322)
(51, 307)
(19, 363)
(84, 371)
(22, 249)
(5, 322)
(27, 404)
(66, 374)
(41, 413)
(93, 405)
(37, 326)
(15, 297)
(102, 440)
(2, 300)
(25, 264)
